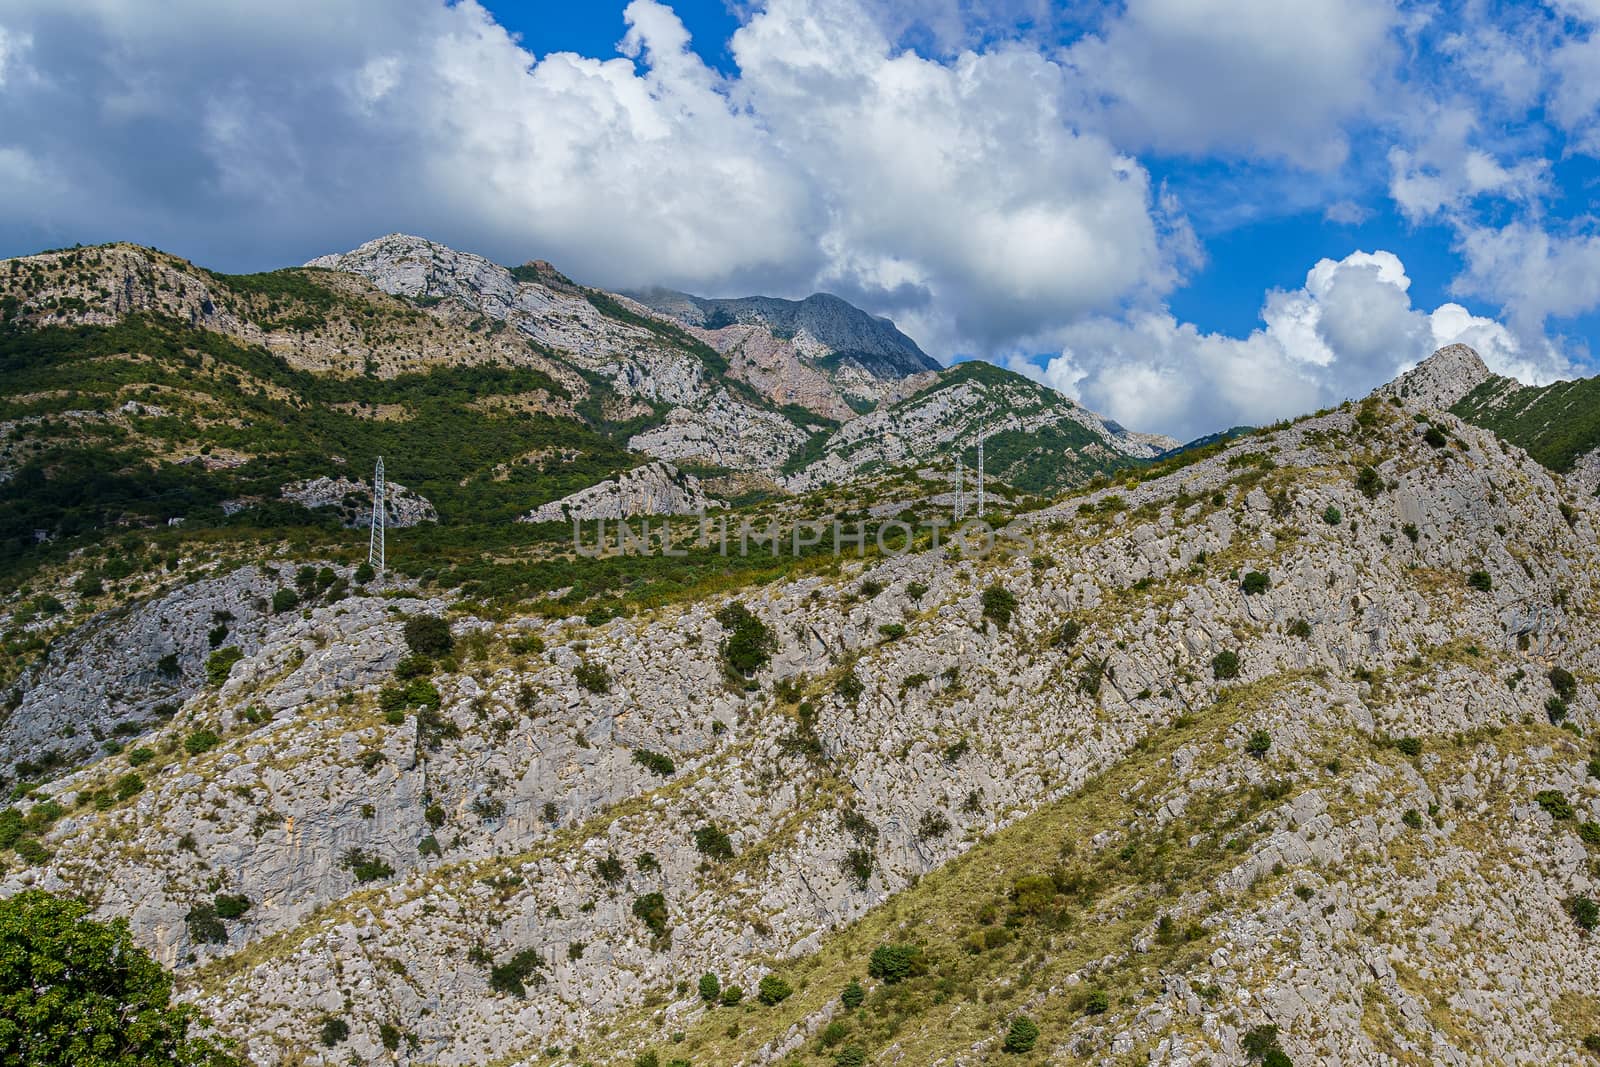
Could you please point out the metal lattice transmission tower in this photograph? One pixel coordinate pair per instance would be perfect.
(980, 476)
(380, 516)
(961, 504)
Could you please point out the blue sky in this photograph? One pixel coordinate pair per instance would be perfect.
(1185, 213)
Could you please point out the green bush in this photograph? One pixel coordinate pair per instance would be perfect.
(364, 573)
(712, 841)
(205, 927)
(140, 756)
(201, 741)
(1369, 482)
(283, 600)
(896, 963)
(651, 909)
(1435, 438)
(852, 995)
(710, 988)
(858, 864)
(365, 866)
(334, 1030)
(1097, 1002)
(647, 1059)
(1022, 1036)
(654, 762)
(232, 905)
(1562, 681)
(428, 636)
(835, 1032)
(1480, 581)
(773, 990)
(851, 1056)
(731, 996)
(999, 604)
(1255, 583)
(1067, 634)
(1225, 665)
(1584, 911)
(750, 642)
(1300, 628)
(1412, 818)
(1333, 516)
(1555, 802)
(1258, 743)
(1555, 709)
(592, 676)
(129, 786)
(849, 687)
(609, 870)
(220, 662)
(390, 1035)
(1409, 746)
(892, 631)
(74, 991)
(1411, 532)
(1260, 1044)
(1589, 832)
(513, 976)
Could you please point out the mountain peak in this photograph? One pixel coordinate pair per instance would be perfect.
(1442, 379)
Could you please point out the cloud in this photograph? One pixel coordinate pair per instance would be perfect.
(1444, 172)
(1350, 328)
(1533, 273)
(1257, 77)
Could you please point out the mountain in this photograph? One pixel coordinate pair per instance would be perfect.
(1277, 747)
(823, 326)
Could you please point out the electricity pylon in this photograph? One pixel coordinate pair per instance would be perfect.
(379, 521)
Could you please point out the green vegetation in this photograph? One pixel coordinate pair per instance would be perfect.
(999, 603)
(750, 642)
(1022, 1036)
(74, 992)
(1555, 423)
(1255, 583)
(428, 636)
(654, 762)
(220, 662)
(512, 976)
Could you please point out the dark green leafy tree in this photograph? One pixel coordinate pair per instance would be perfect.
(428, 635)
(76, 992)
(1022, 1036)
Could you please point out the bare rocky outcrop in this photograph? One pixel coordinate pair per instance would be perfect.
(656, 488)
(1440, 380)
(353, 500)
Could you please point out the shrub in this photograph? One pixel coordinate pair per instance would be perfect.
(1562, 681)
(366, 867)
(389, 1034)
(1097, 1002)
(1555, 802)
(651, 909)
(852, 995)
(1434, 438)
(851, 1056)
(592, 676)
(773, 990)
(1258, 743)
(1480, 581)
(1225, 665)
(916, 590)
(849, 687)
(1412, 818)
(1555, 710)
(1410, 530)
(1022, 1036)
(832, 1034)
(429, 636)
(140, 756)
(364, 573)
(654, 762)
(999, 604)
(713, 842)
(220, 662)
(609, 870)
(284, 600)
(1255, 582)
(750, 642)
(858, 864)
(201, 741)
(1584, 911)
(1409, 746)
(1369, 482)
(1300, 628)
(731, 996)
(933, 824)
(1333, 516)
(1067, 634)
(334, 1030)
(710, 987)
(896, 963)
(167, 666)
(232, 905)
(892, 631)
(205, 927)
(512, 976)
(1261, 1043)
(647, 1059)
(1589, 832)
(129, 785)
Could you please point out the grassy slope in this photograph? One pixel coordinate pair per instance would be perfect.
(1555, 423)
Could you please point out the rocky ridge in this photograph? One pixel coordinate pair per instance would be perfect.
(656, 488)
(921, 744)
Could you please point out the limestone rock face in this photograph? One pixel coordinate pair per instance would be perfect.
(353, 500)
(656, 488)
(1440, 380)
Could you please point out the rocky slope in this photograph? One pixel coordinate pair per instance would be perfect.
(652, 489)
(1273, 739)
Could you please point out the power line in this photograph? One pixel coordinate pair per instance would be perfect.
(375, 544)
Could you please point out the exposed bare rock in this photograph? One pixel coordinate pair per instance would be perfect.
(656, 488)
(353, 500)
(1440, 380)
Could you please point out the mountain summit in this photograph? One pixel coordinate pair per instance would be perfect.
(821, 319)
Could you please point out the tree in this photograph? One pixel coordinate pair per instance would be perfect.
(710, 987)
(74, 991)
(773, 990)
(1256, 583)
(1023, 1035)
